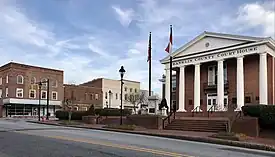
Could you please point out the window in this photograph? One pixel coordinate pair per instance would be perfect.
(7, 79)
(20, 79)
(44, 84)
(247, 99)
(0, 93)
(54, 83)
(116, 96)
(0, 80)
(19, 92)
(54, 95)
(190, 102)
(75, 108)
(84, 108)
(43, 94)
(7, 92)
(91, 97)
(125, 89)
(106, 95)
(125, 97)
(209, 102)
(96, 96)
(131, 89)
(32, 93)
(135, 90)
(225, 101)
(33, 80)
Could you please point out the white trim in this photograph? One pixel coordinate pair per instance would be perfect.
(261, 44)
(7, 92)
(216, 35)
(7, 78)
(22, 77)
(54, 92)
(33, 78)
(34, 93)
(1, 92)
(30, 101)
(1, 81)
(17, 92)
(42, 94)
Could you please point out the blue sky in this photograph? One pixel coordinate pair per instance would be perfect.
(89, 39)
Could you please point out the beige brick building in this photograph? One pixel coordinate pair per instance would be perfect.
(19, 93)
(111, 91)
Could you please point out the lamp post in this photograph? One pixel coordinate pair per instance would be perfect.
(121, 71)
(39, 103)
(48, 99)
(110, 94)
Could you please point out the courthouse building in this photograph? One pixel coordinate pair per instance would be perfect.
(222, 70)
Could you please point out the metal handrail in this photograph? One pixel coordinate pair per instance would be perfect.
(195, 110)
(210, 110)
(168, 117)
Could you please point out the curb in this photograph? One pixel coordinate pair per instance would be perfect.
(187, 138)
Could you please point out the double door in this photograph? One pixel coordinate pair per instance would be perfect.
(212, 100)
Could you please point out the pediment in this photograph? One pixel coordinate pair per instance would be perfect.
(212, 41)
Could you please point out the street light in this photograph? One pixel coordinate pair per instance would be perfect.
(121, 71)
(110, 93)
(39, 103)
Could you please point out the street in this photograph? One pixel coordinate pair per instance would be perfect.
(22, 139)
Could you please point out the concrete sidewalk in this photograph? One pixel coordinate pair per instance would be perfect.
(251, 143)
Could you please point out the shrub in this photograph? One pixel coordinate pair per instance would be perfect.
(112, 112)
(264, 113)
(76, 115)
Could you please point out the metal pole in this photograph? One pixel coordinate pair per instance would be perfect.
(121, 90)
(39, 86)
(48, 95)
(109, 99)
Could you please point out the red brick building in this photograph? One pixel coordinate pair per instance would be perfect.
(81, 97)
(19, 93)
(222, 70)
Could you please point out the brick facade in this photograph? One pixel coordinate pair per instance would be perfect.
(12, 71)
(83, 97)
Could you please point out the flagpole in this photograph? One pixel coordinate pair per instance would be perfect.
(150, 64)
(171, 88)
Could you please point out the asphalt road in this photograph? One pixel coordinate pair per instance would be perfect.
(22, 139)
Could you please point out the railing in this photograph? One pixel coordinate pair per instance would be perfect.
(195, 110)
(168, 118)
(98, 119)
(211, 109)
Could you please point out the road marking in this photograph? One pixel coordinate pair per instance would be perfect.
(108, 144)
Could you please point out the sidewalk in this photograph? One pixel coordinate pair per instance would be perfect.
(252, 143)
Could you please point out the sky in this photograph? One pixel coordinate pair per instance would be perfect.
(90, 39)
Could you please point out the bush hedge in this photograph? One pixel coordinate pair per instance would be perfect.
(112, 112)
(77, 115)
(264, 113)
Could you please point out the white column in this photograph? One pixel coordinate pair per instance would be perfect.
(240, 84)
(182, 90)
(167, 87)
(220, 86)
(263, 79)
(197, 86)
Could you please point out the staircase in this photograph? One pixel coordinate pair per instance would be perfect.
(203, 124)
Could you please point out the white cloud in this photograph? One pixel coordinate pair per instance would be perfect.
(124, 15)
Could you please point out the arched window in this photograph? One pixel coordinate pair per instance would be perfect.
(20, 79)
(54, 83)
(33, 80)
(44, 82)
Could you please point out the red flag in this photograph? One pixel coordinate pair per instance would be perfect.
(149, 49)
(169, 47)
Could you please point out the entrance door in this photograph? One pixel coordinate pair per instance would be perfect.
(212, 100)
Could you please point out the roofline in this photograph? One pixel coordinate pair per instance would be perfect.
(30, 66)
(215, 34)
(79, 85)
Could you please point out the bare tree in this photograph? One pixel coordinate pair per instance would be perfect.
(69, 104)
(136, 99)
